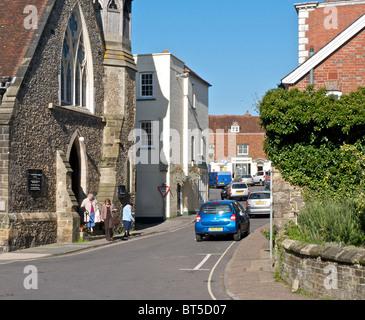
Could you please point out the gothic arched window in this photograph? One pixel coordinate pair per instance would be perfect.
(76, 65)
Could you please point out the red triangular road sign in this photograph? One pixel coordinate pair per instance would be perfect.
(164, 191)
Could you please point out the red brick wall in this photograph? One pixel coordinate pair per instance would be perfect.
(319, 33)
(227, 146)
(344, 70)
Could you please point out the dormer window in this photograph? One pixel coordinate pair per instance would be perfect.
(235, 129)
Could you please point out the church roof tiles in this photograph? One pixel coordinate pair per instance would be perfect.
(17, 19)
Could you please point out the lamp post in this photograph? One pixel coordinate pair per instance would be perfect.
(271, 216)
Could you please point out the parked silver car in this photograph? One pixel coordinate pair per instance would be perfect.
(246, 178)
(258, 203)
(236, 190)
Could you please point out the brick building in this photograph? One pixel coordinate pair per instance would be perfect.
(67, 105)
(331, 46)
(236, 144)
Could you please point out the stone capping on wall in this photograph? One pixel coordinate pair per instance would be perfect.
(333, 254)
(79, 110)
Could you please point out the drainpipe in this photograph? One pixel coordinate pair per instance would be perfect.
(186, 146)
(311, 75)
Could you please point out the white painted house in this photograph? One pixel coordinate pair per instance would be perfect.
(173, 118)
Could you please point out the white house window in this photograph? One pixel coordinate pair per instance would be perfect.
(194, 96)
(76, 66)
(146, 85)
(243, 149)
(235, 129)
(147, 134)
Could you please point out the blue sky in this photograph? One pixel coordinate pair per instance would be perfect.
(243, 48)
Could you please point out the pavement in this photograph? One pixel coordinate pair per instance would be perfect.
(248, 276)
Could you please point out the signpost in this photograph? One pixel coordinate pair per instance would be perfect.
(271, 217)
(164, 190)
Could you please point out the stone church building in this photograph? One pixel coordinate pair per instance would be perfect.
(67, 105)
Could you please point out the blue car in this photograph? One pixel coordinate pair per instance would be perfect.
(220, 218)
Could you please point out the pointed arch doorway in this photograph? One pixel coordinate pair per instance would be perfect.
(77, 159)
(75, 164)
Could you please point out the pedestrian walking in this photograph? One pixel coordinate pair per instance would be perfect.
(90, 205)
(127, 219)
(107, 216)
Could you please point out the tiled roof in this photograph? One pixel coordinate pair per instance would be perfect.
(14, 36)
(247, 123)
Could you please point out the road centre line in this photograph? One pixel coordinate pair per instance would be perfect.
(207, 257)
(202, 263)
(197, 268)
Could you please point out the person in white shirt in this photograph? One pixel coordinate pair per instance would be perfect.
(127, 219)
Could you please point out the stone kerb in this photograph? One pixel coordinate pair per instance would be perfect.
(325, 272)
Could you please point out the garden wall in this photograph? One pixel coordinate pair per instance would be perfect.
(324, 272)
(287, 199)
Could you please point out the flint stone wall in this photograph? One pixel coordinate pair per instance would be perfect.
(37, 132)
(31, 230)
(40, 128)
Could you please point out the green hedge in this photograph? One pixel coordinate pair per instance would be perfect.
(316, 141)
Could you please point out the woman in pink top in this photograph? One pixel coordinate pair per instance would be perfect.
(90, 204)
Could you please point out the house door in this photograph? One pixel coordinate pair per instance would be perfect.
(242, 168)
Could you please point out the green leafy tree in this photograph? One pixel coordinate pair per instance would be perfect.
(317, 142)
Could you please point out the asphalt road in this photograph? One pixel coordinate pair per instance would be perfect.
(170, 266)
